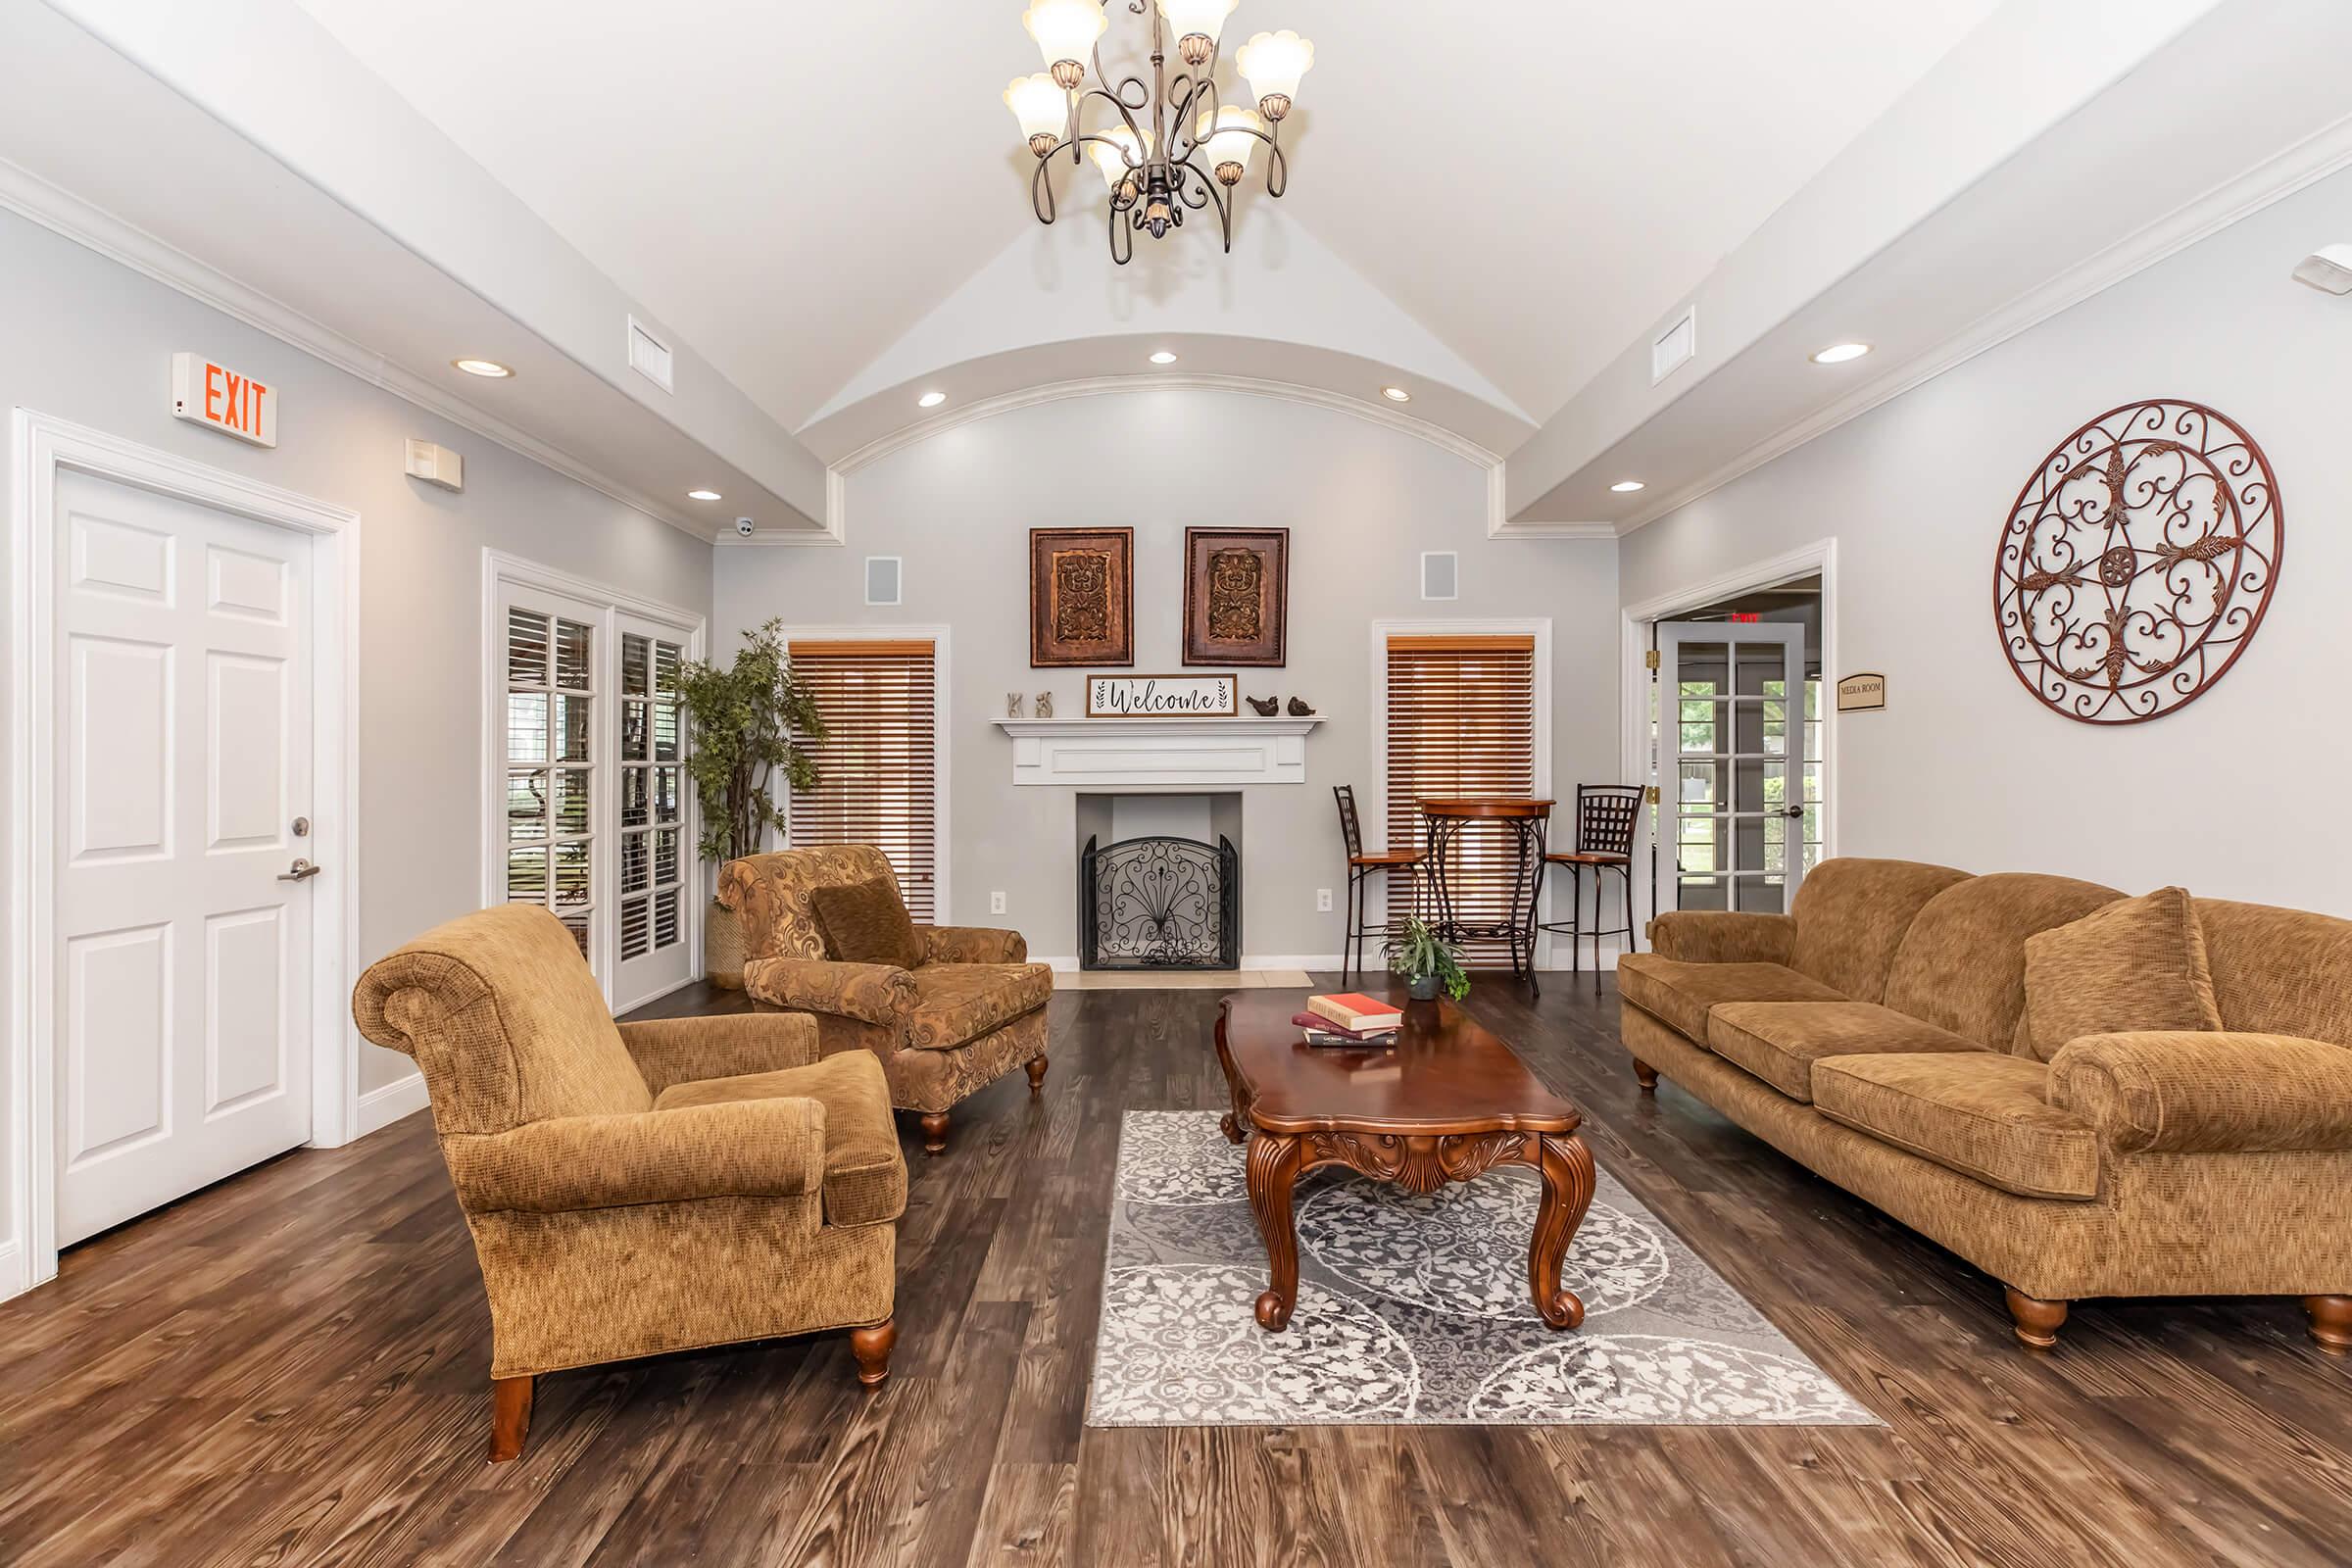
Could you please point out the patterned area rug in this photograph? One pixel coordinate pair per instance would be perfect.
(1415, 1311)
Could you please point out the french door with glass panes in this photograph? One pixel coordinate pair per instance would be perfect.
(595, 821)
(1740, 744)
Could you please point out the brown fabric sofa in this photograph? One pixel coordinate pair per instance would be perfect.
(969, 1013)
(639, 1188)
(1877, 1034)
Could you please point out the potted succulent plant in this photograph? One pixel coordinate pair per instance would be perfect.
(1427, 960)
(748, 720)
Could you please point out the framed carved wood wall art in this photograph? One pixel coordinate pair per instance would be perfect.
(1237, 595)
(1081, 596)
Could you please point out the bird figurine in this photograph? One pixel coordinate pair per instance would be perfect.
(1300, 710)
(1266, 707)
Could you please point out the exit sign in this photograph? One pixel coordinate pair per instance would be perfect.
(216, 396)
(1745, 618)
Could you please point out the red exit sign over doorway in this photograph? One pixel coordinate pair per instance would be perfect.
(210, 394)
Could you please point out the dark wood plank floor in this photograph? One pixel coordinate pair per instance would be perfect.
(290, 1369)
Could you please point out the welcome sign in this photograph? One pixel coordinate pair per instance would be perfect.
(1162, 696)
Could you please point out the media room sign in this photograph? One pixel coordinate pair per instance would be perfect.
(218, 398)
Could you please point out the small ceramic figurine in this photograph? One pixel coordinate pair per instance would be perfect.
(1012, 705)
(1300, 710)
(1266, 707)
(1045, 705)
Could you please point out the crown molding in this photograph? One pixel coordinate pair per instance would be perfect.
(1389, 417)
(62, 212)
(2312, 160)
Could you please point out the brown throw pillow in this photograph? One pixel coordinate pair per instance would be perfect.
(2137, 963)
(863, 922)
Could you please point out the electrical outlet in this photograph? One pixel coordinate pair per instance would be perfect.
(996, 903)
(1322, 901)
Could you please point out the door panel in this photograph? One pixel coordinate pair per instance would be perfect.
(181, 998)
(1733, 733)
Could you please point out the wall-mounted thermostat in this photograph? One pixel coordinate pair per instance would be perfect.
(436, 465)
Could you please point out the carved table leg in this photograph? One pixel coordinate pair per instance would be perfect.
(1567, 1168)
(1232, 1124)
(1273, 1166)
(2330, 1322)
(2036, 1320)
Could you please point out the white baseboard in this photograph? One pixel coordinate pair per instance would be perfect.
(382, 1107)
(11, 1271)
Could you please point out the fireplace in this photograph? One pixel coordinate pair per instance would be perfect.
(1159, 901)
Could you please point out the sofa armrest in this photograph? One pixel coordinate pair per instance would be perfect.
(972, 944)
(741, 1148)
(2207, 1091)
(677, 1051)
(1723, 936)
(878, 994)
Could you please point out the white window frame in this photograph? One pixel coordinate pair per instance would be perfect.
(502, 574)
(943, 908)
(1374, 817)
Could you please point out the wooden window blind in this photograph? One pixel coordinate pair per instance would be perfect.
(877, 767)
(1461, 722)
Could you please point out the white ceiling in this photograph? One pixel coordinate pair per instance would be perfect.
(794, 187)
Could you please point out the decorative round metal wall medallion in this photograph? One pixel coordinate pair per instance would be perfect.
(2138, 561)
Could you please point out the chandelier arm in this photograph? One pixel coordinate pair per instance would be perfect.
(1188, 114)
(1122, 258)
(1218, 197)
(1041, 189)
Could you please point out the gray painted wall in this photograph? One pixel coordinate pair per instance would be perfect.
(1362, 502)
(2234, 794)
(87, 340)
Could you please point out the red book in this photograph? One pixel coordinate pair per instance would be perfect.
(1352, 1010)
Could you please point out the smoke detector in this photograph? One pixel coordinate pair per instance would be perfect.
(2328, 269)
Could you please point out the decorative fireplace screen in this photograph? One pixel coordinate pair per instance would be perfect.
(1159, 903)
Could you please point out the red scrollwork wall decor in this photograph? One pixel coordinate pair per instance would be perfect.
(2138, 561)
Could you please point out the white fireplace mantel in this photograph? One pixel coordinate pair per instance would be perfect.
(1159, 754)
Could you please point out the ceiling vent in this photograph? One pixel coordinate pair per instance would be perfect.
(1674, 348)
(650, 356)
(883, 585)
(1441, 574)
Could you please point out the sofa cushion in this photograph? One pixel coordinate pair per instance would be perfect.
(1851, 915)
(1780, 1041)
(1983, 1114)
(955, 1004)
(866, 1175)
(2280, 971)
(769, 894)
(1681, 993)
(2137, 964)
(863, 922)
(1962, 964)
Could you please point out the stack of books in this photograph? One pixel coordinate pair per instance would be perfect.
(1351, 1020)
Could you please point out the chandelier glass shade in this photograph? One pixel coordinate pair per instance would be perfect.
(1166, 145)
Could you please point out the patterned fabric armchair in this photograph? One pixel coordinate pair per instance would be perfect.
(640, 1187)
(969, 1013)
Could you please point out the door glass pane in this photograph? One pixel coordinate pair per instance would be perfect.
(527, 727)
(632, 731)
(526, 806)
(526, 876)
(571, 873)
(571, 729)
(1760, 894)
(526, 648)
(635, 665)
(570, 805)
(571, 656)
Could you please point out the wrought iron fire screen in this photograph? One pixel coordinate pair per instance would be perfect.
(1159, 903)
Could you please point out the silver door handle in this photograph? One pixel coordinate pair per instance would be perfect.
(301, 871)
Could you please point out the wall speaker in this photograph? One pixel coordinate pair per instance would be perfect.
(882, 584)
(1441, 574)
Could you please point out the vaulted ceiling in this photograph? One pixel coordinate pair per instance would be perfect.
(794, 187)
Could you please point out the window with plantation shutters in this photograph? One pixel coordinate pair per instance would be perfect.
(1461, 718)
(877, 766)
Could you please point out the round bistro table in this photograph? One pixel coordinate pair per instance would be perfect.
(1526, 821)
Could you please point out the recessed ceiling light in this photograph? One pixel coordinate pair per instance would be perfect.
(1163, 357)
(704, 495)
(1625, 487)
(1395, 394)
(930, 399)
(1839, 353)
(489, 368)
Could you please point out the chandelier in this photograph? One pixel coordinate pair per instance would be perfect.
(1175, 146)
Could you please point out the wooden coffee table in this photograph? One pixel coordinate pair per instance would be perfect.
(1449, 1102)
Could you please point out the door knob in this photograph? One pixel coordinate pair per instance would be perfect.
(301, 871)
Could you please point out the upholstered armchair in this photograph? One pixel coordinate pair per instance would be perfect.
(965, 1013)
(640, 1187)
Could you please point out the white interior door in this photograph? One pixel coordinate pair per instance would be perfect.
(181, 1002)
(1738, 722)
(652, 841)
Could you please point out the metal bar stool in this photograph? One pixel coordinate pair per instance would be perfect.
(1604, 841)
(1362, 867)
